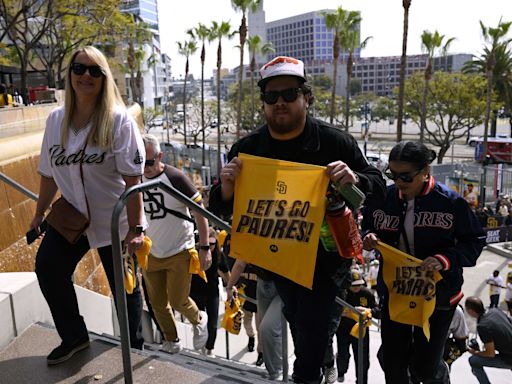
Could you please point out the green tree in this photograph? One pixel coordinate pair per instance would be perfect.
(186, 49)
(349, 39)
(494, 38)
(456, 105)
(149, 115)
(431, 43)
(384, 108)
(202, 32)
(340, 21)
(406, 4)
(249, 119)
(243, 6)
(24, 24)
(255, 46)
(219, 31)
(501, 76)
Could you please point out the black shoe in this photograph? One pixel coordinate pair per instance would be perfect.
(341, 378)
(259, 361)
(250, 346)
(65, 352)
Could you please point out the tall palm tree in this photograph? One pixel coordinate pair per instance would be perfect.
(496, 64)
(340, 20)
(243, 6)
(349, 39)
(431, 43)
(219, 31)
(255, 46)
(186, 49)
(403, 63)
(201, 32)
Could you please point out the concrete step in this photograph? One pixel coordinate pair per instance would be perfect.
(24, 362)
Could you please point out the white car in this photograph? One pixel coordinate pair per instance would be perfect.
(379, 161)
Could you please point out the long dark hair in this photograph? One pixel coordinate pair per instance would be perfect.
(412, 152)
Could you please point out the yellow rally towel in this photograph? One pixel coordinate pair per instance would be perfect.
(143, 252)
(412, 291)
(221, 237)
(279, 208)
(366, 322)
(195, 265)
(232, 320)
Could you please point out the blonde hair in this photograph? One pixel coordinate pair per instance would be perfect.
(102, 119)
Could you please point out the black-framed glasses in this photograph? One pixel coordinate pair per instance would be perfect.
(289, 95)
(406, 177)
(94, 70)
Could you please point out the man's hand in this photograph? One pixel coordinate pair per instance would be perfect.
(340, 173)
(370, 241)
(133, 241)
(228, 174)
(232, 293)
(36, 222)
(431, 264)
(472, 351)
(205, 259)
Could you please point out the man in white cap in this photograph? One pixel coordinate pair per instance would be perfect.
(290, 134)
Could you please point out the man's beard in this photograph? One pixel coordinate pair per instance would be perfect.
(284, 124)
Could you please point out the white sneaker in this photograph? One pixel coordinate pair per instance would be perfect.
(171, 346)
(201, 331)
(331, 375)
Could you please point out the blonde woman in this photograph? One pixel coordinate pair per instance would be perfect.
(91, 152)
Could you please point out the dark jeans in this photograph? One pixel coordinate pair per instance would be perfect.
(495, 300)
(406, 349)
(207, 299)
(345, 340)
(309, 313)
(56, 261)
(336, 311)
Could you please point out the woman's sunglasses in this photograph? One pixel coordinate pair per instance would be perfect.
(406, 177)
(289, 95)
(79, 69)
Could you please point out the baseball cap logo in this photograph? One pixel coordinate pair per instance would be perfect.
(279, 60)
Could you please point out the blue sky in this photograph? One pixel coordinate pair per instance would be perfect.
(382, 19)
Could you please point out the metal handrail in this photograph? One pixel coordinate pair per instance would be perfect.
(18, 186)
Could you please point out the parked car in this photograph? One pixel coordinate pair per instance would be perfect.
(379, 161)
(474, 140)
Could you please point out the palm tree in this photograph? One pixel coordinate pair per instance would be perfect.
(243, 6)
(340, 20)
(202, 32)
(403, 62)
(431, 43)
(255, 46)
(218, 32)
(496, 64)
(186, 48)
(349, 39)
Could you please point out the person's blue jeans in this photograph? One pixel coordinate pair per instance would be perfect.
(56, 261)
(479, 362)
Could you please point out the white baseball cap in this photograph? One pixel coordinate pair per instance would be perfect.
(281, 66)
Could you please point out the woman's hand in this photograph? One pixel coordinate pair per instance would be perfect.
(431, 264)
(232, 292)
(370, 241)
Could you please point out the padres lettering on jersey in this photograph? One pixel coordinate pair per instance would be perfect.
(278, 210)
(412, 291)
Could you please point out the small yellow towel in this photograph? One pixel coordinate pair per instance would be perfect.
(195, 265)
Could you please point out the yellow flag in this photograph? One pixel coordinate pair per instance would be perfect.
(279, 208)
(194, 266)
(412, 291)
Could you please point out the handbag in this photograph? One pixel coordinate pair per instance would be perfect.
(66, 219)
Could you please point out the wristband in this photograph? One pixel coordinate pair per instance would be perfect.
(204, 247)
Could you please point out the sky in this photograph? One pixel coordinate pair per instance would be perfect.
(381, 19)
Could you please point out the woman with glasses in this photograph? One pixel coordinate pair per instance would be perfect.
(91, 153)
(426, 219)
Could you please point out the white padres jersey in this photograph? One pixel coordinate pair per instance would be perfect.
(102, 170)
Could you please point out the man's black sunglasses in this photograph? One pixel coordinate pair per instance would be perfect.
(289, 95)
(406, 177)
(79, 69)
